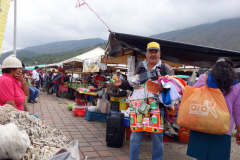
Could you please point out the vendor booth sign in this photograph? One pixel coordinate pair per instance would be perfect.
(92, 65)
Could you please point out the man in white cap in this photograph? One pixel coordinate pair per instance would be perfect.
(152, 62)
(118, 73)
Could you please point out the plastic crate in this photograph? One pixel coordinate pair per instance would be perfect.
(64, 89)
(96, 116)
(75, 108)
(80, 112)
(122, 105)
(183, 135)
(64, 95)
(71, 97)
(127, 133)
(115, 99)
(80, 102)
(77, 95)
(114, 106)
(126, 121)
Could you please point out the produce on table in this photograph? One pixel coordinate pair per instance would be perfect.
(65, 84)
(45, 140)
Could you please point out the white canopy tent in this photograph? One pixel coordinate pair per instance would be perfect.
(88, 55)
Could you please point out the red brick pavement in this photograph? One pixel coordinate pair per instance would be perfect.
(91, 136)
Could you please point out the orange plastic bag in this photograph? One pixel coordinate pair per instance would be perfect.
(204, 109)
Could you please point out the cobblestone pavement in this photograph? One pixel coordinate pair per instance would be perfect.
(92, 135)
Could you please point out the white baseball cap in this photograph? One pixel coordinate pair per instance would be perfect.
(118, 70)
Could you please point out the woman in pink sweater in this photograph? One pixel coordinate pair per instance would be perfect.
(205, 146)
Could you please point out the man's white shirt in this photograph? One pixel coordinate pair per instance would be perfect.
(35, 75)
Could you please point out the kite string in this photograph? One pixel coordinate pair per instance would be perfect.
(93, 12)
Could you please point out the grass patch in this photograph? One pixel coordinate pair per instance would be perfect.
(103, 125)
(62, 102)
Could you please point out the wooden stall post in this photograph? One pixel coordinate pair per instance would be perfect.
(84, 81)
(70, 89)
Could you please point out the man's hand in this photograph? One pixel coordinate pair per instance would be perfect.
(117, 83)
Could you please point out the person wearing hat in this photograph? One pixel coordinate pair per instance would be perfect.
(98, 77)
(118, 73)
(13, 86)
(33, 91)
(153, 61)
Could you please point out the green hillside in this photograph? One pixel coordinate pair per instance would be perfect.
(224, 34)
(57, 57)
(65, 46)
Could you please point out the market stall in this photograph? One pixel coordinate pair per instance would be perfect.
(184, 58)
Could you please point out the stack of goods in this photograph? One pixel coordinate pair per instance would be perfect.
(174, 88)
(64, 91)
(45, 142)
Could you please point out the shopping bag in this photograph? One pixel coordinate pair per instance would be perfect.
(204, 109)
(103, 106)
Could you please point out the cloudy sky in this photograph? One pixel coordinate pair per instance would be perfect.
(45, 21)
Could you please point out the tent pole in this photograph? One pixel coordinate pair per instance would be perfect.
(72, 72)
(15, 29)
(84, 78)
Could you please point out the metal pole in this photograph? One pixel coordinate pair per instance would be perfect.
(72, 72)
(15, 29)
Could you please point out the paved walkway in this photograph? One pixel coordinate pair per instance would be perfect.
(92, 135)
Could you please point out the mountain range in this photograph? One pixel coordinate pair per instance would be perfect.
(56, 47)
(224, 34)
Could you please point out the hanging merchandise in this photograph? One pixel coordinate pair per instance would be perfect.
(131, 66)
(192, 80)
(92, 65)
(144, 113)
(4, 7)
(204, 109)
